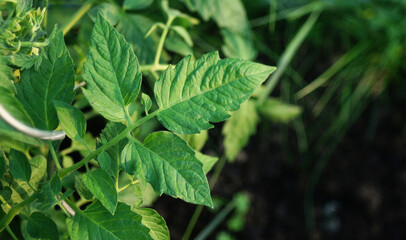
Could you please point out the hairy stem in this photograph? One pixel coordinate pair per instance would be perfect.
(106, 146)
(54, 157)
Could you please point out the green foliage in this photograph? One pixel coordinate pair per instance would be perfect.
(129, 162)
(112, 72)
(98, 223)
(20, 168)
(40, 226)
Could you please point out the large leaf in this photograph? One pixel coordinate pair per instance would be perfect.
(98, 223)
(195, 93)
(112, 72)
(155, 223)
(239, 128)
(102, 186)
(54, 80)
(169, 165)
(40, 226)
(20, 168)
(72, 120)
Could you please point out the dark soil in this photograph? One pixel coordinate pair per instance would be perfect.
(361, 193)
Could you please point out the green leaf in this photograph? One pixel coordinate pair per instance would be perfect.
(134, 28)
(111, 165)
(2, 166)
(14, 107)
(175, 44)
(239, 128)
(277, 111)
(156, 224)
(196, 141)
(146, 102)
(72, 120)
(83, 191)
(20, 189)
(54, 80)
(48, 192)
(207, 161)
(195, 93)
(40, 226)
(102, 187)
(98, 223)
(19, 166)
(169, 165)
(184, 34)
(112, 72)
(136, 5)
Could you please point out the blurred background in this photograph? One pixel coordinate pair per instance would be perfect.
(319, 151)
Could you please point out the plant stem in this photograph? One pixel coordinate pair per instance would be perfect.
(109, 144)
(54, 156)
(216, 221)
(152, 67)
(78, 15)
(162, 41)
(288, 54)
(33, 44)
(11, 233)
(5, 221)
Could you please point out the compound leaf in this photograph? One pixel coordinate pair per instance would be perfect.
(72, 120)
(112, 72)
(155, 223)
(54, 80)
(98, 223)
(239, 128)
(195, 93)
(169, 165)
(102, 187)
(40, 226)
(20, 168)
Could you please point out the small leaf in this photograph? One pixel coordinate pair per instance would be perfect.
(239, 128)
(277, 111)
(2, 166)
(170, 166)
(238, 45)
(72, 120)
(146, 102)
(196, 141)
(20, 168)
(54, 80)
(195, 93)
(109, 132)
(98, 223)
(184, 34)
(48, 192)
(112, 72)
(156, 224)
(83, 191)
(102, 187)
(207, 161)
(40, 226)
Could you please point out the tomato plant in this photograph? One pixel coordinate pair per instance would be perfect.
(47, 96)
